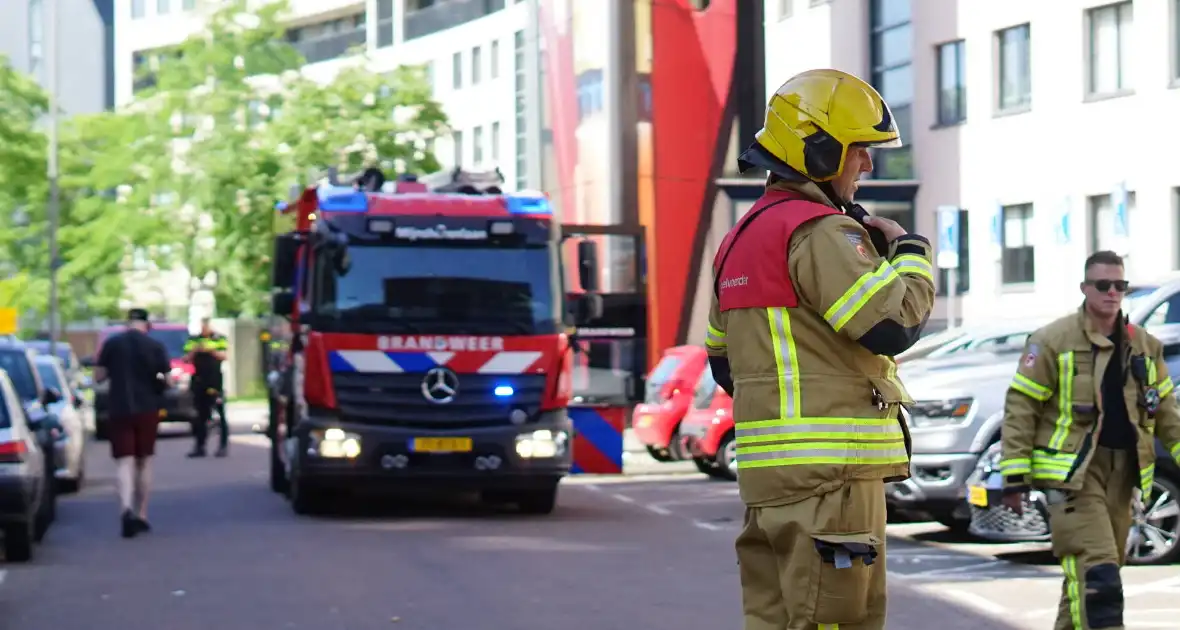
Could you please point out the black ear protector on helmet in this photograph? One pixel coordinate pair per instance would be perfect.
(821, 156)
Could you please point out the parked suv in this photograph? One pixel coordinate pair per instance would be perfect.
(26, 486)
(178, 400)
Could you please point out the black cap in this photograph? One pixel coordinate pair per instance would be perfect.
(137, 315)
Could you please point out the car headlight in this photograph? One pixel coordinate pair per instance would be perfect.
(335, 444)
(937, 413)
(541, 443)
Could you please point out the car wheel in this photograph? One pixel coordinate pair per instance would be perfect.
(539, 501)
(660, 455)
(306, 499)
(727, 456)
(705, 465)
(1155, 530)
(676, 448)
(18, 542)
(278, 475)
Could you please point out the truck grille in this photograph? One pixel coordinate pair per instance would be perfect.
(396, 400)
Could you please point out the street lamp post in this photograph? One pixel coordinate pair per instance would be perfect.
(52, 208)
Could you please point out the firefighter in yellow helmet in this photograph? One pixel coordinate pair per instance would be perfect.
(806, 316)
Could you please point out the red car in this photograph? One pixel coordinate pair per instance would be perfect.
(708, 433)
(178, 398)
(670, 390)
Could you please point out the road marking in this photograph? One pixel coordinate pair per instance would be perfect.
(250, 440)
(1157, 586)
(978, 602)
(709, 526)
(624, 498)
(959, 569)
(662, 511)
(3, 574)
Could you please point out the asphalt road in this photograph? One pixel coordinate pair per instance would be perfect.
(643, 551)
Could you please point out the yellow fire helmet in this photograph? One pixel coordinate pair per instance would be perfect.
(812, 120)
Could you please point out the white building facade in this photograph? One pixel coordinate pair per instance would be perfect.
(1045, 124)
(473, 50)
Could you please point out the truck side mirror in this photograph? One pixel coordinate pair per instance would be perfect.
(282, 303)
(283, 271)
(587, 308)
(588, 265)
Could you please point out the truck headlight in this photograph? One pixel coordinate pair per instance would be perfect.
(334, 443)
(940, 413)
(541, 443)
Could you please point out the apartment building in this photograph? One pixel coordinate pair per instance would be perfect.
(1043, 123)
(85, 45)
(473, 51)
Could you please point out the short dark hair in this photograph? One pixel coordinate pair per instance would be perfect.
(1104, 257)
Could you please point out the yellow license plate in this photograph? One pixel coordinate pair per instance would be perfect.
(977, 495)
(442, 445)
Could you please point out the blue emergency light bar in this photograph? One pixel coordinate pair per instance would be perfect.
(341, 199)
(527, 205)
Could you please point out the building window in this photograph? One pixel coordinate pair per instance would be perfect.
(330, 39)
(477, 146)
(384, 23)
(1017, 260)
(188, 5)
(1176, 40)
(784, 9)
(36, 36)
(496, 143)
(1109, 47)
(457, 141)
(891, 53)
(494, 62)
(163, 7)
(1015, 64)
(952, 83)
(457, 70)
(1102, 221)
(476, 63)
(138, 8)
(963, 273)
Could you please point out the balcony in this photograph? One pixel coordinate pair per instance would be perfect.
(328, 40)
(446, 14)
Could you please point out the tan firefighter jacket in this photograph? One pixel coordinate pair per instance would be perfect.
(812, 407)
(1053, 409)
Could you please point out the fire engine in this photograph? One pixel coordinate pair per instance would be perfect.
(448, 335)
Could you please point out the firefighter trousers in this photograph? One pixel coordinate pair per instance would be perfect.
(1089, 530)
(817, 564)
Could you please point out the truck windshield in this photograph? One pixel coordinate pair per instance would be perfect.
(391, 289)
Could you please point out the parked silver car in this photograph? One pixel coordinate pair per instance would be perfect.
(70, 440)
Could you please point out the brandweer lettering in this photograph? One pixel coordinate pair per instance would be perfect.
(432, 342)
(739, 281)
(440, 232)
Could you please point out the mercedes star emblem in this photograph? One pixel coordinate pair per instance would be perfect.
(440, 386)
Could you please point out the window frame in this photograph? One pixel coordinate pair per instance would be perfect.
(963, 272)
(902, 106)
(476, 65)
(1025, 103)
(1008, 277)
(457, 70)
(959, 115)
(494, 59)
(138, 9)
(1124, 66)
(457, 147)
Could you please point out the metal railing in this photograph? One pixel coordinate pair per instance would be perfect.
(331, 46)
(444, 15)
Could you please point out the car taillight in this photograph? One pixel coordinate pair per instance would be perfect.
(12, 452)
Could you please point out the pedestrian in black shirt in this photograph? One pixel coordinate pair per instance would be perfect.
(136, 367)
(206, 351)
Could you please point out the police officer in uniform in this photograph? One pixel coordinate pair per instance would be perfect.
(1090, 394)
(806, 317)
(206, 351)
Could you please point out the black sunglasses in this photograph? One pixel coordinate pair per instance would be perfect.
(1105, 285)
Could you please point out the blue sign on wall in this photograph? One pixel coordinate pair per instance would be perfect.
(1118, 199)
(948, 237)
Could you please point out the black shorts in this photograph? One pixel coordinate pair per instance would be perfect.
(134, 435)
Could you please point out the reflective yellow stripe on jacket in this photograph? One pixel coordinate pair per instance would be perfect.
(715, 338)
(844, 309)
(794, 439)
(1048, 463)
